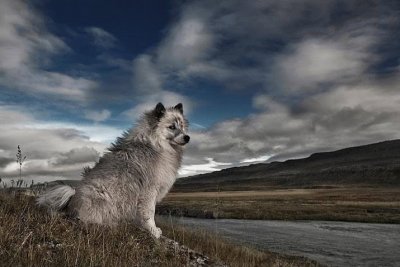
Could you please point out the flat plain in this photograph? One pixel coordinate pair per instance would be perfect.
(350, 203)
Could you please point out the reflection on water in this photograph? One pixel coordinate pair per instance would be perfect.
(332, 243)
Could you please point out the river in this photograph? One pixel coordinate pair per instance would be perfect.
(331, 243)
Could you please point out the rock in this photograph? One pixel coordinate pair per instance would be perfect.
(195, 258)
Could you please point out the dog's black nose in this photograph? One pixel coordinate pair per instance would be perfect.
(186, 138)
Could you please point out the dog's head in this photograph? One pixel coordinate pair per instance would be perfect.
(172, 125)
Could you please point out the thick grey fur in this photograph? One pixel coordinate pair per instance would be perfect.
(137, 172)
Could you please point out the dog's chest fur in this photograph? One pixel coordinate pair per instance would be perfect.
(168, 165)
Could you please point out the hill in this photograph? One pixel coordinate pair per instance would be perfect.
(375, 164)
(30, 236)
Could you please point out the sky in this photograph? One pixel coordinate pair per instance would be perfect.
(259, 80)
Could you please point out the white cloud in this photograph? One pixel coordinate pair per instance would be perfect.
(210, 166)
(187, 42)
(96, 133)
(371, 97)
(146, 76)
(313, 63)
(55, 84)
(101, 38)
(313, 79)
(26, 47)
(150, 101)
(52, 148)
(341, 117)
(22, 33)
(257, 159)
(11, 115)
(312, 76)
(149, 85)
(78, 155)
(98, 116)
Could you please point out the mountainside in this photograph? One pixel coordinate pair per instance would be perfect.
(373, 164)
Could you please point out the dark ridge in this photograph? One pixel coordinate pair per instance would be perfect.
(373, 164)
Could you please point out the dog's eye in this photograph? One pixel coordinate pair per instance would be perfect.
(172, 127)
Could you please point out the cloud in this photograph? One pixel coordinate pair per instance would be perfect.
(314, 63)
(123, 64)
(148, 102)
(257, 45)
(98, 116)
(12, 115)
(150, 88)
(57, 85)
(5, 161)
(341, 117)
(321, 74)
(210, 166)
(313, 76)
(101, 38)
(26, 49)
(340, 56)
(22, 33)
(78, 155)
(53, 149)
(146, 76)
(376, 98)
(188, 41)
(160, 73)
(257, 159)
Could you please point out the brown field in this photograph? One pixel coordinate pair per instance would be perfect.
(31, 237)
(361, 204)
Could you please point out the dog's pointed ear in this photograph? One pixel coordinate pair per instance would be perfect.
(179, 107)
(159, 110)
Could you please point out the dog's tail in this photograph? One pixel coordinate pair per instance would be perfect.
(56, 198)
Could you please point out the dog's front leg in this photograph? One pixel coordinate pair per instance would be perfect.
(145, 213)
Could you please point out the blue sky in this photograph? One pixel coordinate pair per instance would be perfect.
(259, 80)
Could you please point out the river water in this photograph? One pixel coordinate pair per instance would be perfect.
(330, 243)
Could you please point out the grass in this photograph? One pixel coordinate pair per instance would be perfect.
(31, 237)
(365, 204)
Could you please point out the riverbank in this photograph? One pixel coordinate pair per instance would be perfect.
(365, 204)
(335, 244)
(234, 254)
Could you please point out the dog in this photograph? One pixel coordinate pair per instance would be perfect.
(134, 174)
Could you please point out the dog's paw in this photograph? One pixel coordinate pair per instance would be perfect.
(156, 232)
(159, 230)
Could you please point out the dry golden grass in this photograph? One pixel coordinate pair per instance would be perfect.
(31, 237)
(342, 204)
